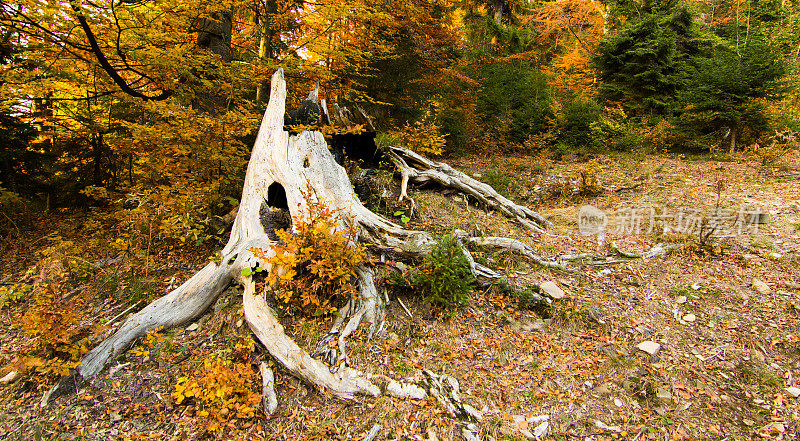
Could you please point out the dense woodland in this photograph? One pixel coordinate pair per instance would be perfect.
(126, 127)
(102, 99)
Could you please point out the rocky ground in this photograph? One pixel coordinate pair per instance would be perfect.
(701, 343)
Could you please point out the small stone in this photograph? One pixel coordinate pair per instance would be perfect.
(192, 327)
(664, 394)
(552, 290)
(9, 377)
(696, 286)
(680, 300)
(540, 431)
(650, 347)
(239, 323)
(690, 318)
(603, 389)
(772, 430)
(115, 417)
(469, 436)
(761, 287)
(617, 402)
(748, 423)
(603, 426)
(793, 391)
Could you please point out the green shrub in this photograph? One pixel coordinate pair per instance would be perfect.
(444, 277)
(514, 101)
(499, 180)
(576, 120)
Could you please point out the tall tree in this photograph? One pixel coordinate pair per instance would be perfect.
(650, 60)
(730, 89)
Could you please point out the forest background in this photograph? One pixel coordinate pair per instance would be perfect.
(102, 99)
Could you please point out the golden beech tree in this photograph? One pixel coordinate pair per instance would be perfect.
(574, 26)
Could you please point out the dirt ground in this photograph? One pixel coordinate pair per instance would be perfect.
(723, 311)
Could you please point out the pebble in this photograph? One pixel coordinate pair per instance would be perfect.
(663, 393)
(648, 346)
(115, 417)
(749, 423)
(690, 318)
(680, 300)
(192, 327)
(536, 325)
(793, 391)
(761, 287)
(552, 290)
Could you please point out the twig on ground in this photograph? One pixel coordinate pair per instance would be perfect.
(405, 309)
(376, 429)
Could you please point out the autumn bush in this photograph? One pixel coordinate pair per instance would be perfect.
(52, 322)
(220, 392)
(13, 294)
(423, 137)
(774, 147)
(318, 262)
(588, 177)
(444, 277)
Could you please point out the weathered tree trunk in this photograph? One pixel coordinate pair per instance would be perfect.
(302, 167)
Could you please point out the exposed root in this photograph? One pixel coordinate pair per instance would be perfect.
(417, 169)
(520, 248)
(345, 383)
(270, 400)
(659, 249)
(370, 310)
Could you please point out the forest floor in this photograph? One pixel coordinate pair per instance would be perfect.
(725, 313)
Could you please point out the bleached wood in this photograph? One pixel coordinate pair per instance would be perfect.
(417, 169)
(270, 400)
(305, 168)
(345, 383)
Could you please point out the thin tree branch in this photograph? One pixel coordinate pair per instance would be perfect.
(104, 63)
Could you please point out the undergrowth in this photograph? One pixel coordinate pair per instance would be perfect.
(444, 277)
(51, 321)
(219, 392)
(317, 262)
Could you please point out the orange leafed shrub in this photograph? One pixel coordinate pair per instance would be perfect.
(318, 262)
(52, 322)
(220, 391)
